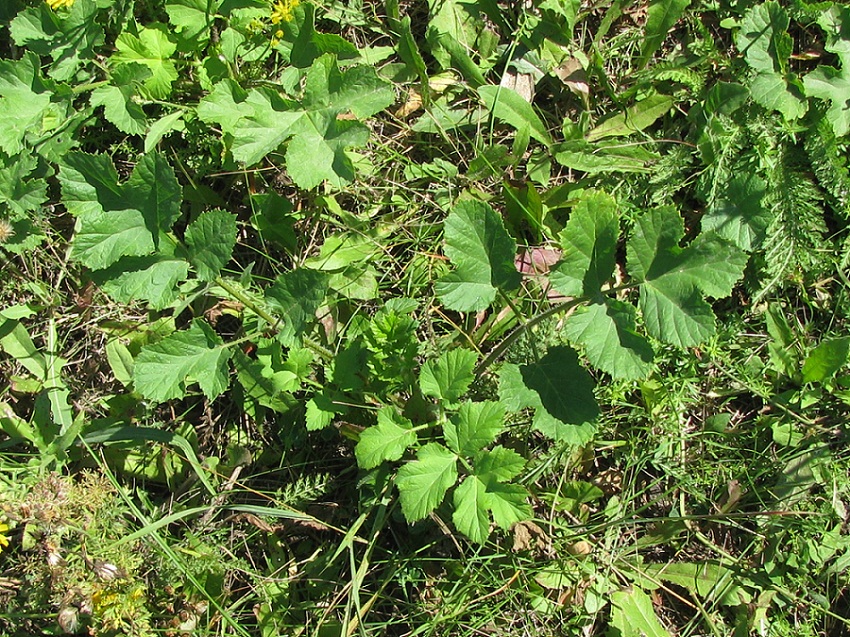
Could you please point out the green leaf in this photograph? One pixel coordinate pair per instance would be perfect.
(296, 295)
(604, 157)
(319, 127)
(826, 359)
(116, 220)
(764, 40)
(24, 101)
(387, 440)
(632, 615)
(474, 426)
(17, 343)
(153, 48)
(163, 370)
(507, 105)
(635, 118)
(830, 84)
(20, 192)
(738, 215)
(151, 278)
(589, 246)
(117, 99)
(451, 34)
(498, 464)
(607, 332)
(422, 484)
(478, 244)
(508, 503)
(67, 40)
(470, 515)
(674, 279)
(558, 389)
(210, 240)
(192, 20)
(449, 376)
(661, 15)
(705, 580)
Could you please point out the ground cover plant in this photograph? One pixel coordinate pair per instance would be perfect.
(436, 317)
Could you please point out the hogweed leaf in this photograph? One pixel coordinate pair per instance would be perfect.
(387, 440)
(423, 483)
(558, 389)
(163, 370)
(24, 101)
(589, 246)
(471, 515)
(674, 279)
(153, 48)
(474, 426)
(499, 464)
(483, 253)
(833, 85)
(296, 295)
(319, 128)
(607, 331)
(448, 377)
(210, 240)
(764, 41)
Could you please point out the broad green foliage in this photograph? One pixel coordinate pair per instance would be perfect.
(388, 440)
(673, 280)
(209, 242)
(151, 47)
(163, 370)
(477, 242)
(318, 126)
(507, 105)
(660, 18)
(26, 101)
(119, 99)
(764, 40)
(423, 483)
(448, 377)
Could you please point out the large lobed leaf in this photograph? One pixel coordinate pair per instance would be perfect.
(320, 127)
(674, 280)
(483, 253)
(163, 370)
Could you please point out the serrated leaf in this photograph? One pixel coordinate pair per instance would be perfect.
(18, 191)
(738, 215)
(833, 85)
(508, 503)
(163, 370)
(498, 464)
(67, 40)
(474, 426)
(470, 515)
(634, 119)
(558, 389)
(674, 279)
(24, 100)
(116, 220)
(764, 40)
(661, 15)
(153, 48)
(319, 127)
(607, 332)
(588, 247)
(210, 240)
(423, 483)
(151, 278)
(387, 440)
(296, 295)
(632, 615)
(508, 106)
(192, 19)
(117, 99)
(826, 359)
(448, 377)
(483, 253)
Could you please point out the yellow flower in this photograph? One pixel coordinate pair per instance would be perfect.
(281, 10)
(4, 541)
(58, 4)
